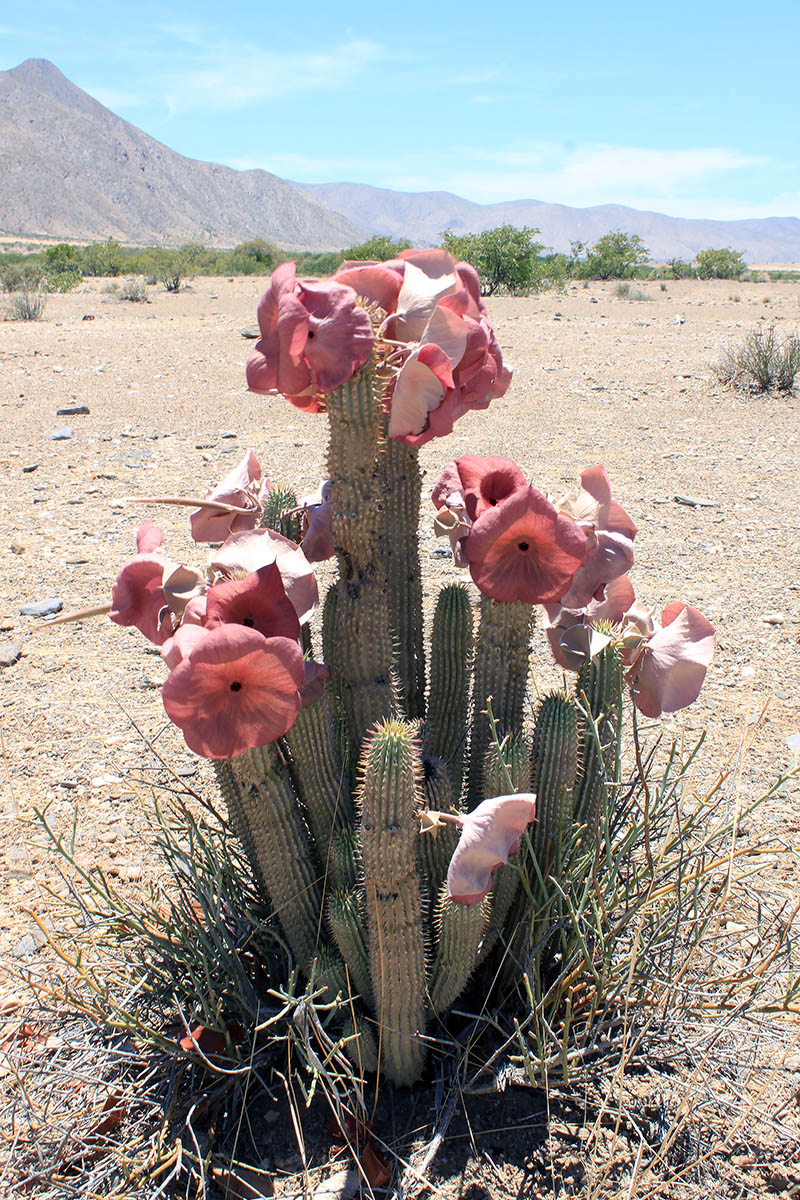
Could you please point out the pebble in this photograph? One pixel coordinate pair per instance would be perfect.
(62, 435)
(76, 410)
(42, 608)
(16, 548)
(229, 433)
(29, 468)
(9, 653)
(441, 552)
(774, 618)
(252, 334)
(27, 945)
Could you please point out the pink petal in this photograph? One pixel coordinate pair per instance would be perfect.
(195, 611)
(419, 295)
(418, 389)
(181, 584)
(340, 336)
(138, 596)
(237, 690)
(618, 597)
(248, 551)
(181, 644)
(522, 549)
(489, 836)
(448, 331)
(591, 504)
(609, 555)
(487, 481)
(315, 676)
(372, 283)
(670, 670)
(148, 538)
(258, 601)
(239, 487)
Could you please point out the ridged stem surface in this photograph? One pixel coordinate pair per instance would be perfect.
(446, 725)
(400, 551)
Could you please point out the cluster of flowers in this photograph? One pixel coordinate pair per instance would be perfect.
(571, 556)
(440, 352)
(230, 635)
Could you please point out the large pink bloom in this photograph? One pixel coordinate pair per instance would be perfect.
(258, 601)
(522, 549)
(245, 552)
(490, 835)
(138, 597)
(668, 671)
(234, 690)
(242, 487)
(483, 483)
(313, 339)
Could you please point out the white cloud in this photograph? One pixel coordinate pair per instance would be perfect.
(113, 99)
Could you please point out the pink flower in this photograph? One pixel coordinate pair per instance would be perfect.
(258, 601)
(185, 639)
(569, 651)
(483, 482)
(590, 504)
(490, 835)
(315, 676)
(317, 543)
(235, 690)
(148, 538)
(522, 549)
(138, 597)
(245, 552)
(667, 672)
(242, 487)
(313, 339)
(608, 557)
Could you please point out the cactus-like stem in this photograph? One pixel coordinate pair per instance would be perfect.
(389, 799)
(361, 1047)
(328, 973)
(266, 816)
(501, 672)
(554, 764)
(451, 664)
(319, 774)
(599, 686)
(459, 930)
(364, 636)
(345, 863)
(347, 927)
(276, 503)
(511, 761)
(400, 550)
(437, 846)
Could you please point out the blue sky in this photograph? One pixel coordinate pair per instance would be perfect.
(686, 108)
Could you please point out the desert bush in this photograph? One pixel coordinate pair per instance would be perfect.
(103, 258)
(680, 269)
(25, 305)
(720, 264)
(378, 248)
(764, 362)
(625, 292)
(171, 274)
(134, 289)
(20, 275)
(504, 257)
(616, 255)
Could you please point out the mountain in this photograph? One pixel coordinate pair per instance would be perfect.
(70, 168)
(421, 216)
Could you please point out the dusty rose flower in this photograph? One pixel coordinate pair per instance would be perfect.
(235, 690)
(483, 482)
(242, 487)
(608, 557)
(181, 644)
(148, 538)
(258, 601)
(618, 597)
(668, 670)
(590, 503)
(244, 552)
(317, 543)
(313, 339)
(522, 549)
(490, 835)
(315, 676)
(138, 597)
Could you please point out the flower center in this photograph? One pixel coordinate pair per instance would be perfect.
(523, 546)
(236, 686)
(249, 622)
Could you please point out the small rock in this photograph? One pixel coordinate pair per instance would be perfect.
(229, 433)
(10, 653)
(774, 618)
(75, 560)
(77, 410)
(69, 784)
(30, 467)
(204, 445)
(678, 319)
(28, 945)
(252, 334)
(441, 552)
(87, 317)
(16, 548)
(62, 435)
(42, 608)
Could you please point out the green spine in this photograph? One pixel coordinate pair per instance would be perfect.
(501, 672)
(389, 801)
(319, 774)
(554, 765)
(347, 927)
(459, 931)
(364, 638)
(266, 816)
(451, 664)
(400, 553)
(598, 688)
(345, 857)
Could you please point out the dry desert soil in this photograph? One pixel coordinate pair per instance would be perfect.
(709, 475)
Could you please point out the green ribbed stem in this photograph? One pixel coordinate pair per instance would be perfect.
(363, 653)
(501, 671)
(505, 883)
(402, 484)
(319, 774)
(445, 733)
(554, 766)
(436, 847)
(266, 816)
(276, 503)
(328, 973)
(389, 800)
(600, 683)
(459, 930)
(345, 865)
(361, 1047)
(347, 926)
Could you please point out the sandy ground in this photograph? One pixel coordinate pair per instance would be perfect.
(598, 378)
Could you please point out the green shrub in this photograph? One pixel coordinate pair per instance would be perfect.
(762, 363)
(133, 290)
(171, 274)
(378, 249)
(616, 255)
(680, 269)
(103, 258)
(720, 264)
(504, 257)
(25, 305)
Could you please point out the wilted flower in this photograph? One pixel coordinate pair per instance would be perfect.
(668, 669)
(317, 543)
(313, 339)
(490, 835)
(243, 488)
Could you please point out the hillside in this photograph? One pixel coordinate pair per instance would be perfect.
(422, 216)
(71, 168)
